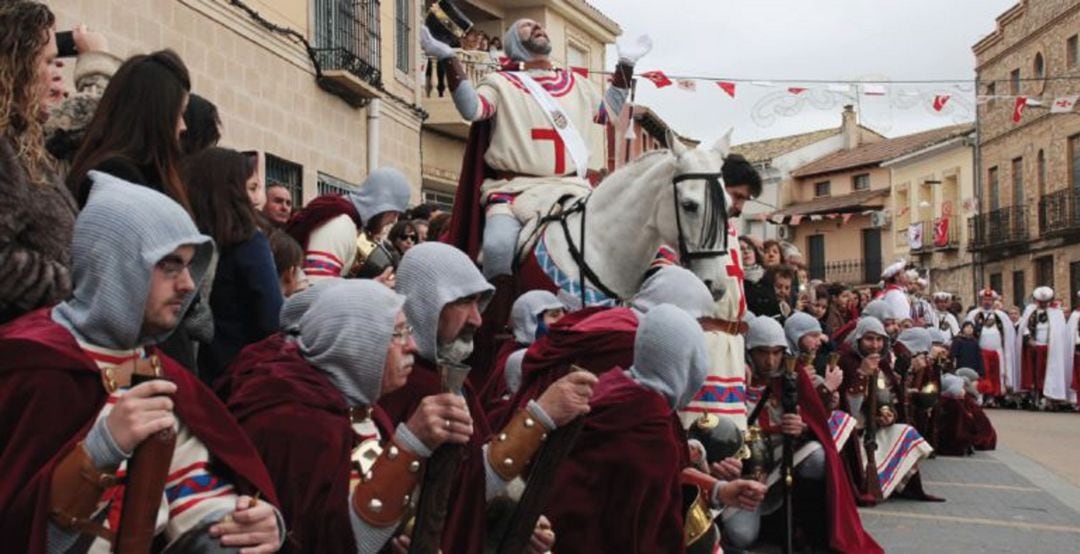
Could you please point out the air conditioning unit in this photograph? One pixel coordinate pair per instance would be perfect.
(879, 219)
(784, 232)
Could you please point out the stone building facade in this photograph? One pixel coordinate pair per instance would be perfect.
(1027, 233)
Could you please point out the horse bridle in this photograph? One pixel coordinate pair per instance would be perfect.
(711, 179)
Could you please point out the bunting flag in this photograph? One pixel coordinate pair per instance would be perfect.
(842, 89)
(687, 84)
(1064, 104)
(940, 101)
(873, 90)
(796, 90)
(727, 87)
(845, 218)
(658, 78)
(796, 219)
(1018, 108)
(941, 232)
(583, 71)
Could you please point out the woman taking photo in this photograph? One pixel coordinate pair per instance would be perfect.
(246, 295)
(37, 214)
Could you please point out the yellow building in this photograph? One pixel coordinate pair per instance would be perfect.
(579, 34)
(933, 194)
(327, 90)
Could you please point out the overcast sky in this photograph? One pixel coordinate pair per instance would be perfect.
(816, 39)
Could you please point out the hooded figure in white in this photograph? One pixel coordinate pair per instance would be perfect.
(1043, 326)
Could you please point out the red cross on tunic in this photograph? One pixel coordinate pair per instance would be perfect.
(734, 269)
(560, 147)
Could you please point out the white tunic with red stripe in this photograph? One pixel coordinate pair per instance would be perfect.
(526, 144)
(192, 492)
(724, 393)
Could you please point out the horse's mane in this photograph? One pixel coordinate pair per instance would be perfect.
(639, 165)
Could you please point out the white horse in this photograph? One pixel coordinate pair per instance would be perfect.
(608, 239)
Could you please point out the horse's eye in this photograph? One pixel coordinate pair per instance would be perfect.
(690, 206)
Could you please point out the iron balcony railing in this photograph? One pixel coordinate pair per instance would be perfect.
(998, 228)
(347, 37)
(1059, 212)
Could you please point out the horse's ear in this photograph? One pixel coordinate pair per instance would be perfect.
(676, 145)
(722, 145)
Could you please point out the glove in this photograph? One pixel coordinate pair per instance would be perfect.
(434, 48)
(630, 53)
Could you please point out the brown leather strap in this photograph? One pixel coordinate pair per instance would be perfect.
(454, 70)
(76, 488)
(512, 449)
(384, 493)
(720, 325)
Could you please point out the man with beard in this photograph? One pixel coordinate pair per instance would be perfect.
(545, 138)
(899, 446)
(947, 322)
(73, 419)
(997, 343)
(1047, 350)
(445, 294)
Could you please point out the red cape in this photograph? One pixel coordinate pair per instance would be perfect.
(964, 427)
(466, 227)
(299, 422)
(595, 338)
(493, 392)
(44, 373)
(846, 533)
(618, 490)
(319, 211)
(466, 521)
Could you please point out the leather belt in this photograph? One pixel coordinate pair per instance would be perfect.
(723, 326)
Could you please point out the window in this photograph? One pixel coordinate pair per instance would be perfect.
(992, 186)
(991, 89)
(1074, 280)
(995, 281)
(328, 184)
(1074, 161)
(1014, 82)
(1044, 271)
(288, 173)
(861, 182)
(815, 246)
(1018, 182)
(402, 61)
(444, 200)
(347, 37)
(1018, 288)
(1072, 52)
(1039, 66)
(822, 188)
(576, 57)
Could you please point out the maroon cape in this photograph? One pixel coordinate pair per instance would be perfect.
(299, 422)
(466, 227)
(618, 490)
(964, 427)
(846, 533)
(319, 211)
(51, 392)
(466, 523)
(595, 338)
(493, 394)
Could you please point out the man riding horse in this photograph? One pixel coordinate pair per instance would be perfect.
(544, 136)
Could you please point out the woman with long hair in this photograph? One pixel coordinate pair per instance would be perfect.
(246, 296)
(403, 236)
(135, 133)
(37, 214)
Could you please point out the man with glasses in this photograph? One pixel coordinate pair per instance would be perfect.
(310, 408)
(72, 417)
(445, 294)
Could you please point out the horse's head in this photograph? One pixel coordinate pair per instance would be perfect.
(696, 219)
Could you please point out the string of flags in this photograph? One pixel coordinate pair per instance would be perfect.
(796, 219)
(659, 79)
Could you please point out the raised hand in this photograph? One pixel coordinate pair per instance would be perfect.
(433, 47)
(634, 51)
(568, 397)
(141, 412)
(441, 418)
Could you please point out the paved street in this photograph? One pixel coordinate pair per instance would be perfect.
(1023, 497)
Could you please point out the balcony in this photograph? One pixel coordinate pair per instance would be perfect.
(998, 229)
(1059, 213)
(939, 235)
(442, 114)
(346, 45)
(848, 272)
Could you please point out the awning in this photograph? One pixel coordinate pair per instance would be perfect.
(854, 202)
